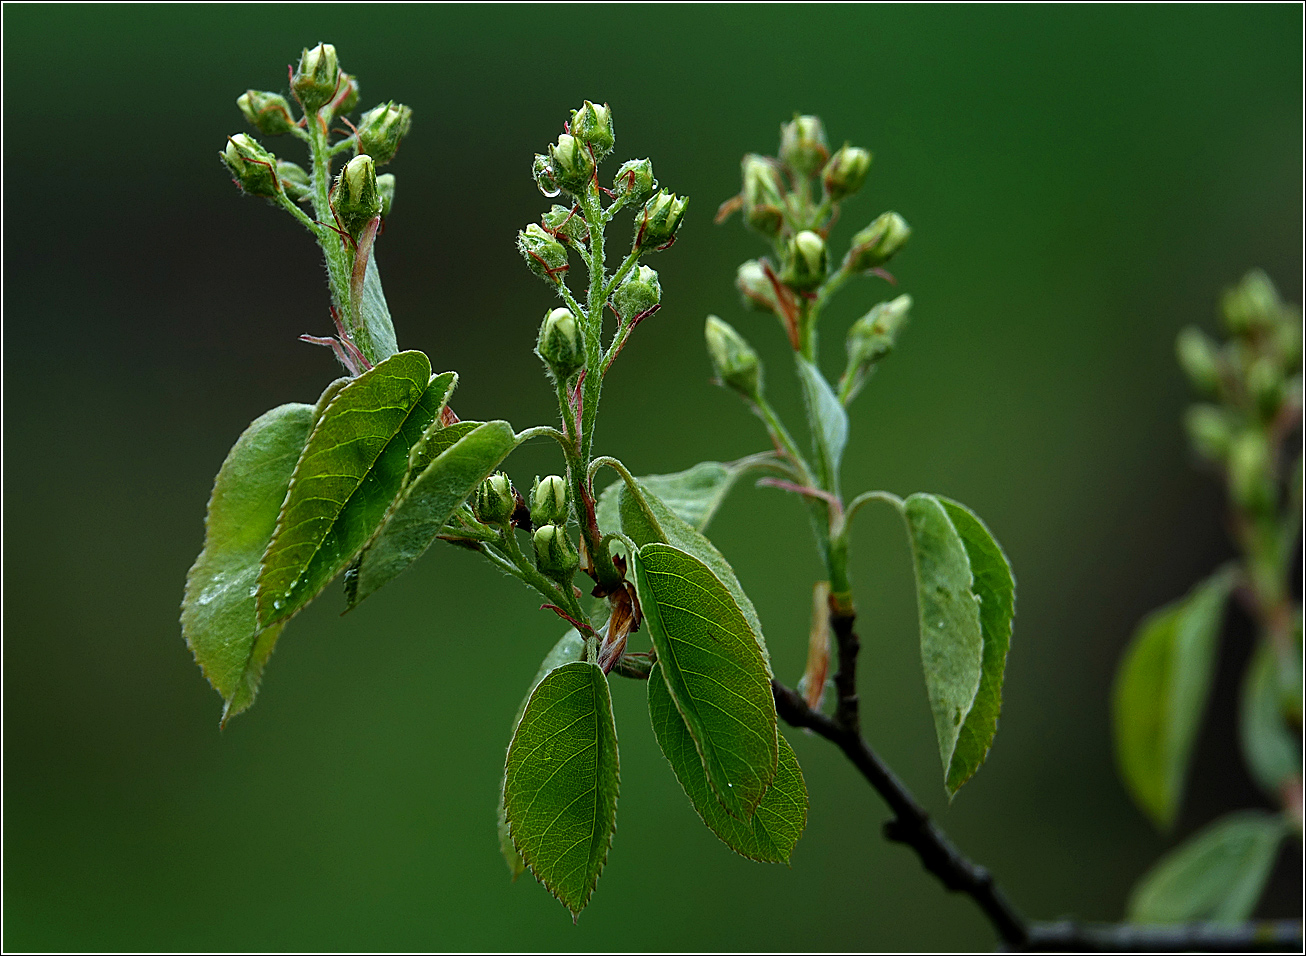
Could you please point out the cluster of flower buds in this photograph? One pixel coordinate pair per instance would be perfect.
(1255, 386)
(381, 129)
(252, 167)
(735, 362)
(555, 555)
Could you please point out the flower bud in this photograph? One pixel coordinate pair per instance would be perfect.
(555, 555)
(1199, 357)
(346, 97)
(294, 180)
(495, 499)
(572, 164)
(755, 287)
(381, 129)
(269, 113)
(317, 78)
(806, 261)
(733, 359)
(1209, 430)
(763, 195)
(549, 501)
(634, 180)
(1289, 337)
(877, 243)
(1250, 478)
(355, 198)
(251, 166)
(385, 185)
(657, 222)
(567, 224)
(545, 255)
(1252, 304)
(592, 125)
(1266, 386)
(560, 344)
(544, 176)
(802, 145)
(872, 337)
(845, 172)
(640, 292)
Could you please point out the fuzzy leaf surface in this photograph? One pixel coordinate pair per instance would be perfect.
(1160, 695)
(561, 781)
(829, 417)
(777, 823)
(1217, 875)
(376, 314)
(218, 615)
(430, 499)
(348, 475)
(714, 669)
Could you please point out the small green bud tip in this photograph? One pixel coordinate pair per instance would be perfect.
(347, 98)
(1253, 304)
(251, 166)
(802, 145)
(763, 195)
(592, 125)
(806, 261)
(560, 344)
(555, 555)
(381, 129)
(1250, 479)
(545, 255)
(495, 499)
(877, 243)
(872, 337)
(1209, 430)
(658, 221)
(385, 185)
(356, 198)
(1199, 358)
(1267, 388)
(845, 172)
(733, 359)
(634, 181)
(755, 288)
(640, 293)
(269, 113)
(549, 501)
(566, 224)
(571, 163)
(317, 79)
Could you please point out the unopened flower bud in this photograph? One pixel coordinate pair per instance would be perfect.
(572, 164)
(762, 195)
(294, 180)
(640, 292)
(355, 198)
(251, 166)
(802, 145)
(1289, 339)
(1209, 430)
(806, 261)
(872, 337)
(845, 172)
(1250, 478)
(634, 180)
(544, 176)
(592, 125)
(385, 185)
(381, 129)
(755, 287)
(317, 78)
(1252, 304)
(545, 255)
(657, 222)
(269, 113)
(567, 224)
(1266, 386)
(560, 344)
(549, 501)
(733, 359)
(346, 96)
(495, 499)
(877, 243)
(1199, 357)
(555, 555)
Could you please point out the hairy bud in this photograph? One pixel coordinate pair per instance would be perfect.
(877, 243)
(545, 255)
(802, 145)
(806, 261)
(317, 78)
(845, 172)
(560, 344)
(762, 195)
(1209, 430)
(640, 292)
(592, 125)
(658, 221)
(755, 288)
(381, 129)
(872, 337)
(269, 113)
(555, 555)
(295, 180)
(549, 501)
(634, 180)
(1199, 357)
(385, 185)
(495, 500)
(1252, 304)
(572, 164)
(1250, 478)
(251, 166)
(356, 199)
(346, 96)
(567, 224)
(733, 359)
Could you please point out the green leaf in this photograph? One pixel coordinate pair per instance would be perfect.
(778, 821)
(376, 314)
(1160, 695)
(828, 417)
(1271, 753)
(694, 494)
(430, 499)
(1217, 875)
(348, 475)
(714, 669)
(570, 648)
(561, 781)
(218, 615)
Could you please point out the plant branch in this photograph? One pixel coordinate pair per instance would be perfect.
(1254, 936)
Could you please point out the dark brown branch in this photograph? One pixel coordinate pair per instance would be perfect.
(1258, 936)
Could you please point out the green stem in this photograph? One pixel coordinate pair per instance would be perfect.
(621, 273)
(554, 592)
(780, 435)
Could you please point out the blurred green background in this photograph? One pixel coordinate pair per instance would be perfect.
(1082, 182)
